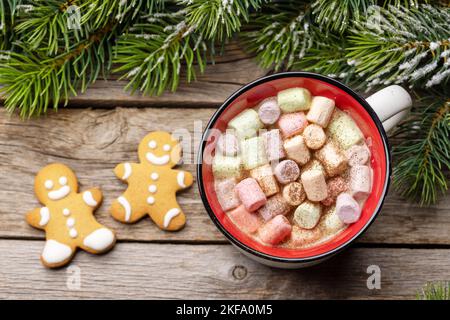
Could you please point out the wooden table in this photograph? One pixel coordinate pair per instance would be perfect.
(103, 127)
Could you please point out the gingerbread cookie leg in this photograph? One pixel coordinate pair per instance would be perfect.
(168, 215)
(124, 210)
(56, 254)
(99, 240)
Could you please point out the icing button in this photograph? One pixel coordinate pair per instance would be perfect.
(66, 212)
(73, 233)
(152, 188)
(150, 200)
(70, 222)
(154, 176)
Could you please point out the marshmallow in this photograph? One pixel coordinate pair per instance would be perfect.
(297, 150)
(293, 193)
(314, 136)
(314, 164)
(266, 180)
(335, 186)
(330, 222)
(274, 206)
(303, 237)
(246, 221)
(246, 124)
(294, 99)
(227, 145)
(343, 130)
(321, 111)
(287, 171)
(307, 215)
(226, 195)
(269, 111)
(292, 123)
(347, 209)
(332, 159)
(360, 181)
(273, 145)
(226, 167)
(253, 153)
(314, 184)
(251, 195)
(276, 230)
(358, 155)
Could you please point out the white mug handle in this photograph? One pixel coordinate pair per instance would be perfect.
(391, 104)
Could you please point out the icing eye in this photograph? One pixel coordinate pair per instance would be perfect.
(152, 144)
(166, 147)
(48, 184)
(63, 181)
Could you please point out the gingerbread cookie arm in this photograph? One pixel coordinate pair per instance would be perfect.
(39, 217)
(92, 197)
(124, 170)
(184, 179)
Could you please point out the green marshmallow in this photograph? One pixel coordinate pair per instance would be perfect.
(246, 124)
(226, 167)
(253, 153)
(294, 99)
(343, 130)
(307, 215)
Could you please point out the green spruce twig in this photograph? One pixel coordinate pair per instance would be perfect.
(423, 157)
(435, 291)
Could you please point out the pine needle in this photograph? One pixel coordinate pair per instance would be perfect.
(435, 291)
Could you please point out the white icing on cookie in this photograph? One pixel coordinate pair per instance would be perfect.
(48, 184)
(55, 252)
(70, 222)
(126, 205)
(159, 161)
(73, 233)
(99, 240)
(152, 144)
(172, 213)
(166, 147)
(127, 172)
(63, 181)
(45, 216)
(150, 200)
(89, 199)
(154, 176)
(66, 212)
(180, 179)
(60, 193)
(152, 188)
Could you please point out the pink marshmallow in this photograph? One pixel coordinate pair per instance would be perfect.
(246, 221)
(360, 181)
(273, 145)
(291, 124)
(226, 195)
(358, 155)
(287, 171)
(228, 145)
(347, 209)
(251, 194)
(274, 206)
(269, 111)
(276, 230)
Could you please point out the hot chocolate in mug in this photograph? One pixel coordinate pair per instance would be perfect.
(374, 116)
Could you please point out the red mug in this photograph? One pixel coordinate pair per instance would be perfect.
(375, 115)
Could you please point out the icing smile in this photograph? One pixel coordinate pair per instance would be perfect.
(157, 160)
(60, 193)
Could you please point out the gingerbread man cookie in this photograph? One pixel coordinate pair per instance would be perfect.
(152, 183)
(67, 216)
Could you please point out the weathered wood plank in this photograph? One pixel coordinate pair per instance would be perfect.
(228, 73)
(92, 142)
(153, 271)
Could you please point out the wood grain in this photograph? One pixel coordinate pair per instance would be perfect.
(93, 141)
(155, 271)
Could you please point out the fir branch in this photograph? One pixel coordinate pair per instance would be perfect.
(435, 291)
(218, 19)
(423, 156)
(32, 81)
(152, 52)
(404, 46)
